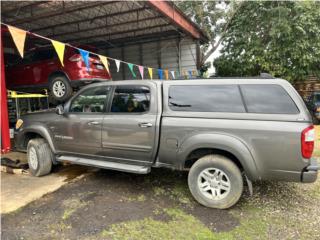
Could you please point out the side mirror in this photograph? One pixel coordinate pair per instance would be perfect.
(60, 110)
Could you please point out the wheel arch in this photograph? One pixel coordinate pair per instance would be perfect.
(58, 73)
(200, 145)
(36, 132)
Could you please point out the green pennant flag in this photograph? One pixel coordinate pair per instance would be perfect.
(130, 65)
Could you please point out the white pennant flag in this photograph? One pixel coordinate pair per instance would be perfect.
(117, 64)
(172, 73)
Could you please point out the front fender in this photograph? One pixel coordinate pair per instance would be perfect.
(39, 129)
(223, 142)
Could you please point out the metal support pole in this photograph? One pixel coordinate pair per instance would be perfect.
(5, 132)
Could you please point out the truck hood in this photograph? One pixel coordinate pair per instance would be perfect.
(40, 116)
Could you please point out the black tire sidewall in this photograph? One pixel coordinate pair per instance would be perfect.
(230, 169)
(33, 171)
(44, 157)
(68, 88)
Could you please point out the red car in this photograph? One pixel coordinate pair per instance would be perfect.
(41, 69)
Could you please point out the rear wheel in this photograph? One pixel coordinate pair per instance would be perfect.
(60, 88)
(215, 181)
(39, 156)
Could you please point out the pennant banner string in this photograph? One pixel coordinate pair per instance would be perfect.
(150, 72)
(130, 65)
(105, 63)
(141, 71)
(85, 56)
(160, 73)
(118, 64)
(59, 47)
(19, 36)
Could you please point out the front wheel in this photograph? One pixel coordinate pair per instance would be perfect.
(215, 181)
(40, 157)
(60, 88)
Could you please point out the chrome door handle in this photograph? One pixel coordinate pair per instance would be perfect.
(93, 123)
(145, 125)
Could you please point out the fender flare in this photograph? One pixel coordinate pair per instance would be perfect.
(43, 132)
(223, 142)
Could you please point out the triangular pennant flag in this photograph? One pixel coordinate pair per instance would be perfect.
(19, 38)
(85, 56)
(105, 63)
(172, 73)
(130, 65)
(160, 73)
(117, 64)
(59, 47)
(141, 71)
(166, 73)
(150, 72)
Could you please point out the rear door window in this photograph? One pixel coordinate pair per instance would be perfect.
(206, 98)
(131, 99)
(268, 99)
(43, 55)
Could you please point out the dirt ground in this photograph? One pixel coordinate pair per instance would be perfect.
(115, 205)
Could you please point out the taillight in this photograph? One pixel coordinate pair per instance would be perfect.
(307, 142)
(75, 58)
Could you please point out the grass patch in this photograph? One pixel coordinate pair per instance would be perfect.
(72, 205)
(183, 226)
(139, 198)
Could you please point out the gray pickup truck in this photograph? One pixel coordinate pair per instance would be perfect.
(225, 132)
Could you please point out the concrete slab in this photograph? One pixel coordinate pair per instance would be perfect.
(17, 190)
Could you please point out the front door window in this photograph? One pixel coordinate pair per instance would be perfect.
(92, 100)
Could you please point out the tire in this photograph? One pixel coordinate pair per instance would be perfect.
(39, 156)
(60, 88)
(208, 194)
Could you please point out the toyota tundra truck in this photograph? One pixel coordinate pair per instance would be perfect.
(225, 132)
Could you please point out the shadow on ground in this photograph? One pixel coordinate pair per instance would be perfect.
(115, 205)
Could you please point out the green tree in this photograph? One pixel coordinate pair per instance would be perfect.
(214, 17)
(280, 37)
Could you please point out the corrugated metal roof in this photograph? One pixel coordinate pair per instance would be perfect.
(89, 21)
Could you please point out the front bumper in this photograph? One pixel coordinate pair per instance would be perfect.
(310, 173)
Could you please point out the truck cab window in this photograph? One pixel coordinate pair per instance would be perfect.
(131, 99)
(90, 101)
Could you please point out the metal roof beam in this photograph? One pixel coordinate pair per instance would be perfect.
(115, 33)
(90, 19)
(24, 6)
(152, 37)
(58, 12)
(176, 17)
(104, 26)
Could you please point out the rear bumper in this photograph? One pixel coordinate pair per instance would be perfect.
(310, 173)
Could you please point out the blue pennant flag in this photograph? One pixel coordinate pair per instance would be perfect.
(85, 57)
(160, 73)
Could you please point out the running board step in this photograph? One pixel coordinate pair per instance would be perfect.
(104, 164)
